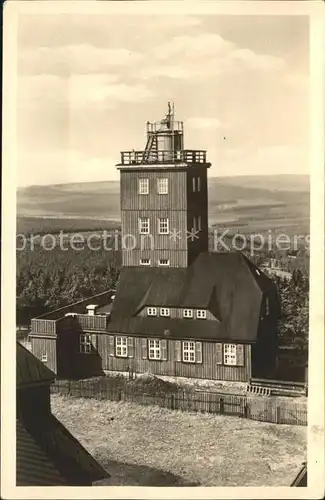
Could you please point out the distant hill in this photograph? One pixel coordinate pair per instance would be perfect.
(251, 202)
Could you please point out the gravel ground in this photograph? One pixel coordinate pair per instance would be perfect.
(152, 446)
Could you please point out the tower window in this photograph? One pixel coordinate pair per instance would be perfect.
(163, 226)
(163, 262)
(188, 313)
(201, 314)
(145, 262)
(199, 184)
(144, 225)
(193, 184)
(143, 186)
(199, 225)
(162, 185)
(152, 311)
(164, 311)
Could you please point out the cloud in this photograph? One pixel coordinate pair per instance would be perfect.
(74, 59)
(204, 123)
(80, 90)
(204, 56)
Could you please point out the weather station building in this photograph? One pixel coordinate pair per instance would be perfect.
(178, 309)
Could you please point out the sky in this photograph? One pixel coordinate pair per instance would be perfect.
(87, 84)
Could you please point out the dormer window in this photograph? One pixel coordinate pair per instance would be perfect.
(201, 314)
(152, 311)
(163, 262)
(188, 313)
(145, 262)
(164, 311)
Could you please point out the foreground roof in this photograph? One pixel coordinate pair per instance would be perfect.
(29, 369)
(227, 284)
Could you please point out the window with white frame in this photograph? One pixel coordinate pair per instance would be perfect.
(85, 343)
(144, 225)
(143, 186)
(162, 185)
(152, 311)
(201, 314)
(188, 313)
(163, 262)
(121, 347)
(189, 352)
(164, 311)
(44, 358)
(154, 349)
(145, 262)
(163, 225)
(230, 354)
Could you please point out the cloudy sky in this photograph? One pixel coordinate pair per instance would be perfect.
(88, 83)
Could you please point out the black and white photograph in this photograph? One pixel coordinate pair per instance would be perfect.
(163, 249)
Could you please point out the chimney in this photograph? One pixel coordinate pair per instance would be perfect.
(91, 308)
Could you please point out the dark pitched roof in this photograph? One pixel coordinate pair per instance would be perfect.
(33, 467)
(226, 283)
(29, 369)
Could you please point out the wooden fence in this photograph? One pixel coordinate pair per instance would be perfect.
(264, 409)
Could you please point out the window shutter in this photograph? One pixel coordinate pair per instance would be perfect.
(219, 354)
(240, 355)
(94, 341)
(198, 352)
(164, 354)
(130, 347)
(144, 347)
(111, 345)
(178, 350)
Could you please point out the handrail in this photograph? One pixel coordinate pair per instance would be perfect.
(163, 156)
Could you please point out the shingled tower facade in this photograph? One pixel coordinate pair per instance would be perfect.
(164, 199)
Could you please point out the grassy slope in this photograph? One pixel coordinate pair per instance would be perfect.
(251, 203)
(151, 446)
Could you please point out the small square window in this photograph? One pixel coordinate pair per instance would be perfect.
(162, 185)
(163, 225)
(143, 186)
(144, 225)
(201, 314)
(44, 358)
(163, 262)
(188, 313)
(164, 311)
(121, 347)
(145, 262)
(152, 311)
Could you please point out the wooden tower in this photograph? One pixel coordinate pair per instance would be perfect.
(164, 199)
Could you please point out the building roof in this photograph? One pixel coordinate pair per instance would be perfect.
(29, 369)
(33, 467)
(227, 284)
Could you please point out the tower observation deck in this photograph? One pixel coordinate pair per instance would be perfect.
(165, 145)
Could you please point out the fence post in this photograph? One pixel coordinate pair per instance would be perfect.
(119, 395)
(278, 414)
(172, 402)
(222, 406)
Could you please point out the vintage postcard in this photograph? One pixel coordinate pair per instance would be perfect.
(163, 250)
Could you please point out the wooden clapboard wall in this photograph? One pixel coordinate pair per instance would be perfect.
(209, 355)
